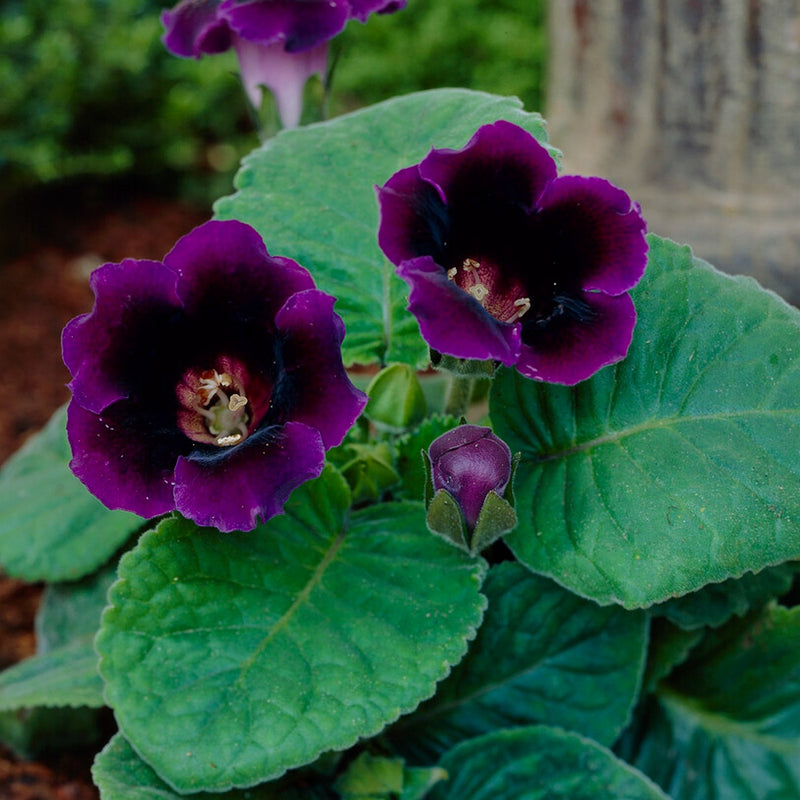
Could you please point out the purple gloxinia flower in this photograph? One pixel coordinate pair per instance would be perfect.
(507, 261)
(468, 462)
(211, 383)
(280, 44)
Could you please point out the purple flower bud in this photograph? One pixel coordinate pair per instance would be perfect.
(211, 383)
(507, 261)
(279, 43)
(468, 462)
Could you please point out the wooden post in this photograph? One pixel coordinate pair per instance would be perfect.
(693, 107)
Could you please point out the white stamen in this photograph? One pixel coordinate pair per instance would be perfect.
(470, 263)
(451, 273)
(236, 402)
(230, 439)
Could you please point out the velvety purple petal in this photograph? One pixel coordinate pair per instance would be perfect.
(567, 350)
(299, 26)
(193, 27)
(225, 269)
(594, 229)
(283, 73)
(361, 9)
(502, 163)
(315, 388)
(95, 346)
(122, 466)
(452, 321)
(413, 217)
(233, 489)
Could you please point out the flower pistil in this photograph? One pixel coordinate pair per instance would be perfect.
(480, 279)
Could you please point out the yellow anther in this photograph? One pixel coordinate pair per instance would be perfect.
(451, 273)
(470, 263)
(524, 305)
(229, 439)
(479, 292)
(236, 402)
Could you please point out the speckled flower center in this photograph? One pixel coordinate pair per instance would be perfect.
(504, 300)
(224, 410)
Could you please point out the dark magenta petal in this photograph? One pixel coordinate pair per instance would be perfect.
(414, 219)
(569, 350)
(361, 9)
(501, 164)
(469, 462)
(298, 25)
(225, 269)
(453, 322)
(314, 386)
(593, 229)
(194, 27)
(96, 346)
(232, 490)
(124, 467)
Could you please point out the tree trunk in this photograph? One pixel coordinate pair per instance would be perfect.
(693, 107)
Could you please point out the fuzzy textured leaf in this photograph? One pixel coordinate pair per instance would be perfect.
(51, 528)
(678, 467)
(539, 763)
(310, 193)
(541, 655)
(729, 717)
(230, 658)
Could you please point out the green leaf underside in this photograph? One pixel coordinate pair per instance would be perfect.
(539, 763)
(51, 528)
(230, 658)
(121, 775)
(729, 718)
(310, 193)
(541, 655)
(678, 467)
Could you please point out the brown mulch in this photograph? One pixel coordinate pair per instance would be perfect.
(41, 289)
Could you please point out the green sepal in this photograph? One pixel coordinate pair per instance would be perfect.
(445, 519)
(396, 400)
(496, 519)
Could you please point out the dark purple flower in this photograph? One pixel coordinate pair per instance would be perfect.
(211, 383)
(468, 462)
(279, 43)
(507, 261)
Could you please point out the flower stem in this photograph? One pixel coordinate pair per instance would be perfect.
(457, 395)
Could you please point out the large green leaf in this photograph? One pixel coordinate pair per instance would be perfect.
(678, 467)
(726, 724)
(121, 775)
(230, 658)
(539, 763)
(310, 193)
(51, 528)
(542, 655)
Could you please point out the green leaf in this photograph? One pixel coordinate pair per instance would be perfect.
(31, 732)
(716, 603)
(678, 467)
(539, 763)
(70, 612)
(541, 655)
(51, 528)
(669, 646)
(310, 193)
(121, 775)
(66, 676)
(230, 658)
(727, 722)
(410, 463)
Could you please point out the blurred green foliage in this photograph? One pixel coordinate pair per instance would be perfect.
(87, 89)
(496, 46)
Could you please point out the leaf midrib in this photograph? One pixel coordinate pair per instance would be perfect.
(651, 425)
